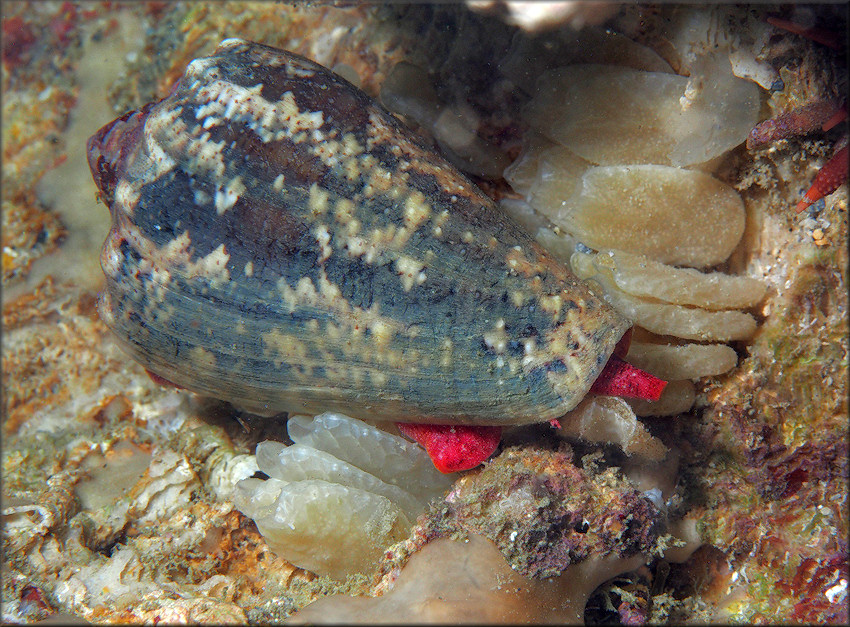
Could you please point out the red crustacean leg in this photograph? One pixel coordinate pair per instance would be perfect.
(829, 178)
(839, 116)
(834, 172)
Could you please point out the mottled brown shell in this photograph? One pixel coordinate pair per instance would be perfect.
(282, 242)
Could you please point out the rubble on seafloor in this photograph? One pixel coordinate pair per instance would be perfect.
(729, 503)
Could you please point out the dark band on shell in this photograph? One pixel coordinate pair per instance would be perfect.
(281, 241)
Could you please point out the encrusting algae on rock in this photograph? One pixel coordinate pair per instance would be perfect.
(563, 531)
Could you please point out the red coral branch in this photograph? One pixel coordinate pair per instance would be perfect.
(830, 178)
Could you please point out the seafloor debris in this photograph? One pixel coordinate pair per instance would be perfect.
(407, 90)
(546, 514)
(540, 16)
(554, 523)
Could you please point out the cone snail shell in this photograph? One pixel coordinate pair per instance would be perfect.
(282, 242)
